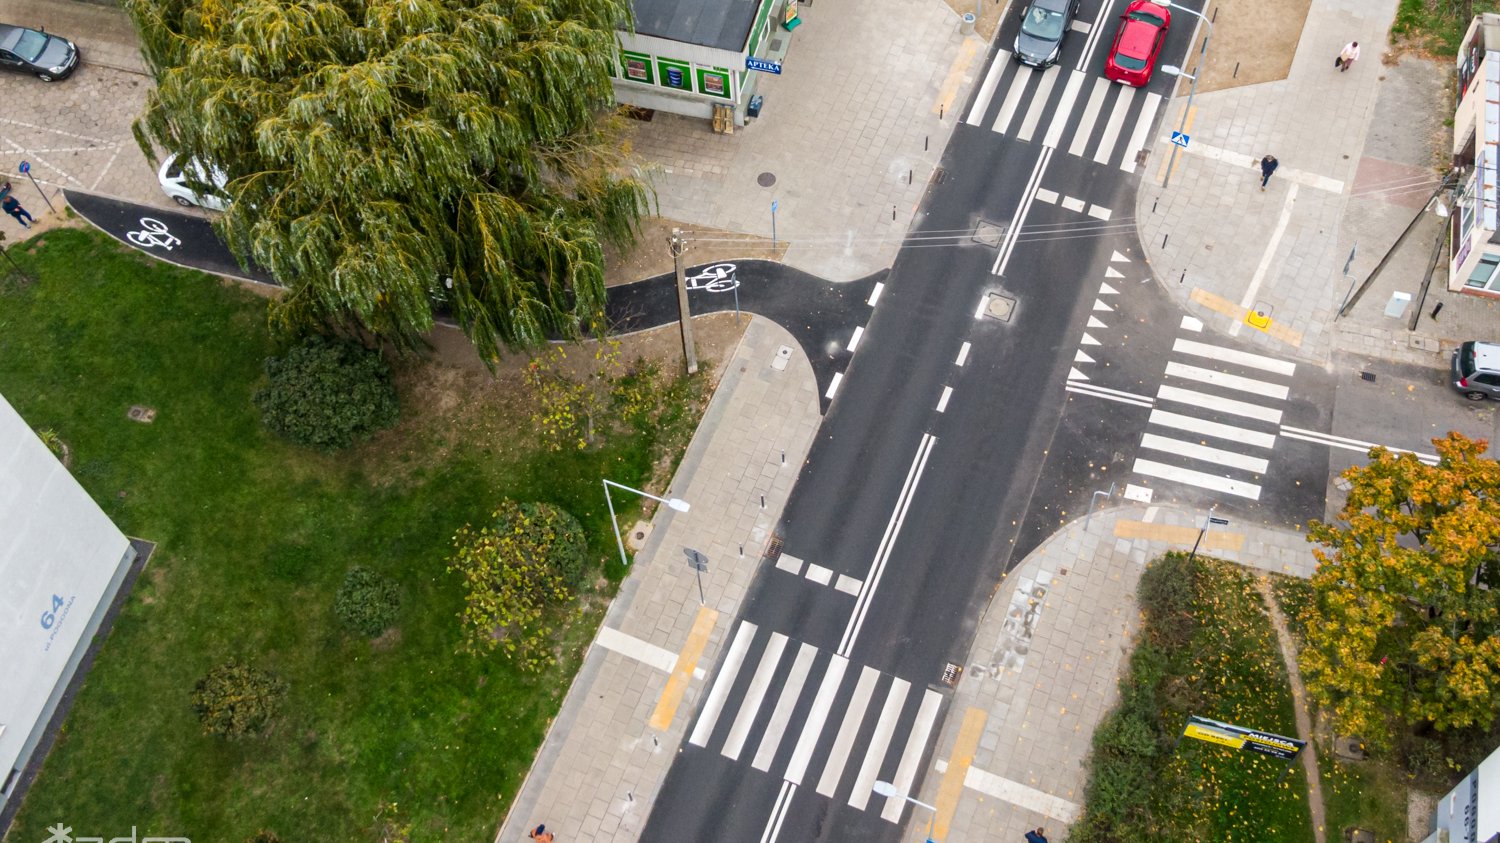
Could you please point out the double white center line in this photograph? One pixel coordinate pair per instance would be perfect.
(1027, 197)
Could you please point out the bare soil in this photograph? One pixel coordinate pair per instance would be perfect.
(1253, 42)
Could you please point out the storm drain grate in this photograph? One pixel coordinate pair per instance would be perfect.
(989, 234)
(951, 674)
(773, 550)
(939, 175)
(1367, 376)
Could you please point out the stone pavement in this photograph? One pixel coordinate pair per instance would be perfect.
(608, 751)
(1043, 668)
(1357, 160)
(851, 132)
(76, 132)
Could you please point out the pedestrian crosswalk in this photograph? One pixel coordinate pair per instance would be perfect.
(1018, 101)
(1216, 417)
(876, 727)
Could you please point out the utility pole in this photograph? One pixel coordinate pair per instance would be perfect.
(684, 314)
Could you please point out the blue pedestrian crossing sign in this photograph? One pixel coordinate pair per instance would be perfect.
(1180, 139)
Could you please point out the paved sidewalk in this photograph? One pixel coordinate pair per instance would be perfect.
(851, 132)
(1043, 669)
(608, 751)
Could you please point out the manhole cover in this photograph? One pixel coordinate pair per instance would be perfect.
(142, 414)
(989, 234)
(999, 307)
(765, 179)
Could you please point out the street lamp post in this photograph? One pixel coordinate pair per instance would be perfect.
(676, 503)
(889, 790)
(1192, 89)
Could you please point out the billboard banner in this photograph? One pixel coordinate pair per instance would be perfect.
(1245, 740)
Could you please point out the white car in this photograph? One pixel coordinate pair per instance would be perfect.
(174, 176)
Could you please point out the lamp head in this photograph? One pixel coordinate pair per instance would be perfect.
(885, 789)
(679, 504)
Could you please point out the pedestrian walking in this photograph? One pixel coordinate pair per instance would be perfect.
(1036, 836)
(540, 834)
(1268, 166)
(1347, 56)
(12, 207)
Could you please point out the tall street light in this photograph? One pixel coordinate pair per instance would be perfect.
(889, 790)
(676, 503)
(1192, 89)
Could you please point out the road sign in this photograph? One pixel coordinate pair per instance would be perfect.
(696, 559)
(752, 63)
(775, 203)
(25, 167)
(1348, 263)
(1180, 139)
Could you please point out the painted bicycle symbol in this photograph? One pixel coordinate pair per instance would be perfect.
(153, 233)
(715, 278)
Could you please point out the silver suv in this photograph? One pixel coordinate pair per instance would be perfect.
(1476, 370)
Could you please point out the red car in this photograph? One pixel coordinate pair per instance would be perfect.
(1143, 29)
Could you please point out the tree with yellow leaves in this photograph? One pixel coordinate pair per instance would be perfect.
(1404, 622)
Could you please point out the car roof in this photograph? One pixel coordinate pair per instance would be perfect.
(10, 34)
(1137, 38)
(1487, 356)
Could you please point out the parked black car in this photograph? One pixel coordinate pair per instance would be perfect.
(47, 57)
(1044, 25)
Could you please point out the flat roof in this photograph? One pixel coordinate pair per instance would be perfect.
(720, 24)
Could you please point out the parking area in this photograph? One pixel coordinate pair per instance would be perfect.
(76, 133)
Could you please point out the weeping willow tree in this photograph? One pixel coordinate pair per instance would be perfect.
(386, 158)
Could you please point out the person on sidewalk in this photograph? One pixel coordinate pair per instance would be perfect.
(541, 834)
(1268, 166)
(1036, 836)
(12, 207)
(1347, 56)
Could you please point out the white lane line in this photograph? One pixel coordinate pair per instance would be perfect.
(1116, 122)
(1099, 213)
(1106, 392)
(812, 727)
(1012, 99)
(1349, 444)
(1021, 795)
(984, 303)
(754, 696)
(1038, 103)
(859, 331)
(1095, 31)
(875, 293)
(916, 744)
(1208, 428)
(1139, 494)
(1090, 114)
(1203, 400)
(1022, 207)
(1267, 256)
(887, 542)
(714, 704)
(819, 574)
(1193, 450)
(1226, 380)
(963, 355)
(1064, 108)
(987, 90)
(1083, 389)
(791, 564)
(854, 715)
(1142, 128)
(770, 739)
(847, 584)
(1191, 324)
(1048, 196)
(1074, 204)
(778, 813)
(833, 385)
(631, 647)
(1234, 355)
(942, 404)
(1196, 478)
(880, 741)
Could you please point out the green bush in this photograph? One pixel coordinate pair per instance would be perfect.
(554, 538)
(367, 602)
(327, 394)
(235, 700)
(264, 836)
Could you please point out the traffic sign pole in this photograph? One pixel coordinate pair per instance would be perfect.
(25, 169)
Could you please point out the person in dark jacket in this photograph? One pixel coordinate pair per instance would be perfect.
(12, 207)
(1036, 836)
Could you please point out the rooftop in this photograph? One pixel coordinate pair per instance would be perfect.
(720, 24)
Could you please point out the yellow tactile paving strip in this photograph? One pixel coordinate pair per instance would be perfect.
(959, 762)
(1212, 540)
(1221, 305)
(682, 672)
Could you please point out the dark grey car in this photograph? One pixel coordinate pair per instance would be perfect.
(47, 57)
(1476, 370)
(1044, 25)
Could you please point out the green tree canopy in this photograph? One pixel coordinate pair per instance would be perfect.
(1400, 625)
(388, 156)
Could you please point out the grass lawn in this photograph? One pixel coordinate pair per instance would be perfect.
(1436, 25)
(1207, 648)
(254, 537)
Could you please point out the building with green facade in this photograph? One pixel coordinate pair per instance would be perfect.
(692, 56)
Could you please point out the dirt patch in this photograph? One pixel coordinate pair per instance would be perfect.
(651, 255)
(1299, 701)
(1253, 42)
